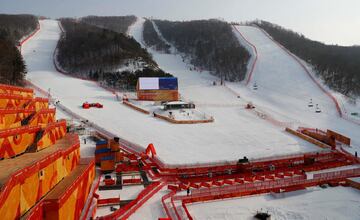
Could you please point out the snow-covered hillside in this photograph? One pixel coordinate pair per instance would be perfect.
(283, 93)
(234, 134)
(285, 88)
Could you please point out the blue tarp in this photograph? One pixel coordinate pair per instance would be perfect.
(108, 158)
(101, 142)
(168, 83)
(103, 150)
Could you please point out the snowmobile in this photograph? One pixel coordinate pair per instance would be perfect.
(87, 105)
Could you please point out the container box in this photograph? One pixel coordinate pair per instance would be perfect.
(100, 153)
(107, 164)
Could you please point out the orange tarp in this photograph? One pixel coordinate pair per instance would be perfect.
(24, 180)
(11, 118)
(15, 90)
(13, 101)
(68, 198)
(17, 140)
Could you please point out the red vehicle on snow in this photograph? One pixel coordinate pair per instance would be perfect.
(87, 105)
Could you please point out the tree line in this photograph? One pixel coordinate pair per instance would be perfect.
(152, 38)
(118, 24)
(209, 44)
(103, 55)
(12, 29)
(338, 66)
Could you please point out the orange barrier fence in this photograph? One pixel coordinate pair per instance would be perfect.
(135, 107)
(26, 179)
(329, 137)
(15, 90)
(38, 103)
(339, 137)
(8, 101)
(43, 117)
(307, 138)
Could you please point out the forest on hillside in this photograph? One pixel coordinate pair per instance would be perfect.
(209, 45)
(338, 66)
(12, 29)
(118, 24)
(103, 55)
(152, 38)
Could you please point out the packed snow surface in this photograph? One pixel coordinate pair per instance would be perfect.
(235, 133)
(286, 89)
(313, 203)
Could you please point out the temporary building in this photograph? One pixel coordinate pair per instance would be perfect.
(157, 89)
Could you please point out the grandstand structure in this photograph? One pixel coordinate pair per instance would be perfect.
(42, 175)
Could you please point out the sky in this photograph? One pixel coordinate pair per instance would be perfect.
(328, 21)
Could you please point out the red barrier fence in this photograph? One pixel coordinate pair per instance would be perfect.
(306, 71)
(204, 194)
(109, 201)
(91, 202)
(126, 211)
(167, 209)
(131, 181)
(186, 211)
(25, 39)
(256, 56)
(337, 174)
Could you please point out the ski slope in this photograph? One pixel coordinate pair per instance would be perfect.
(313, 203)
(285, 87)
(234, 134)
